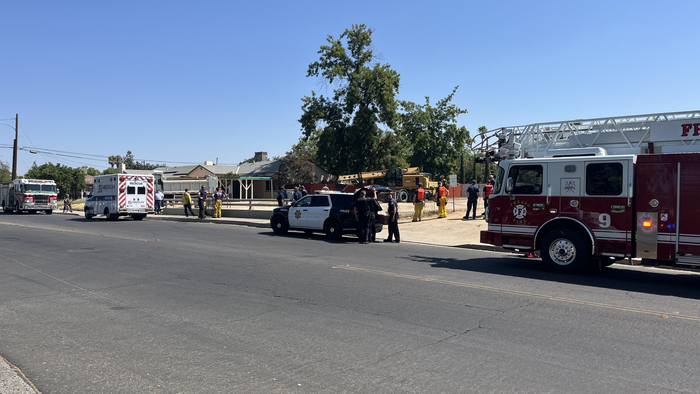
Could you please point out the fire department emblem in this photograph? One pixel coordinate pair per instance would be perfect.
(570, 187)
(297, 214)
(519, 211)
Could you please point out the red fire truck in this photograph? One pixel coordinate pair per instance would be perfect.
(593, 191)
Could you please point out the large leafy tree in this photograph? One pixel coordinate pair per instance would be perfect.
(436, 143)
(68, 180)
(5, 173)
(355, 120)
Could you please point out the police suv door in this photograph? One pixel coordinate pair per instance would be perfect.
(318, 211)
(299, 212)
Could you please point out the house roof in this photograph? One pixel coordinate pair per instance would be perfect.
(257, 169)
(260, 168)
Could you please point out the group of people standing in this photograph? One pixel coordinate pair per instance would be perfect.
(441, 194)
(366, 209)
(298, 194)
(218, 197)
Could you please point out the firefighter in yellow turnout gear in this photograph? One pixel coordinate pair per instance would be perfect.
(441, 198)
(218, 198)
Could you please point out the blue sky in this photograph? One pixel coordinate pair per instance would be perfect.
(185, 81)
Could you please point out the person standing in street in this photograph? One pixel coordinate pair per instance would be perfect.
(373, 216)
(393, 211)
(363, 210)
(472, 199)
(442, 194)
(66, 204)
(303, 191)
(158, 197)
(219, 196)
(202, 196)
(418, 203)
(187, 203)
(280, 197)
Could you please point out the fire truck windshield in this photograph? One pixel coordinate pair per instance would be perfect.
(38, 188)
(499, 180)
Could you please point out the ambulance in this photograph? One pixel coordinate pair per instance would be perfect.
(118, 195)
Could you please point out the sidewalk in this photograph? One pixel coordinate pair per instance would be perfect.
(12, 380)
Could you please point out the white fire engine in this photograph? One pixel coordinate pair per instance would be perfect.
(117, 195)
(598, 190)
(31, 195)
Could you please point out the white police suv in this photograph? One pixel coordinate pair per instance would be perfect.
(332, 213)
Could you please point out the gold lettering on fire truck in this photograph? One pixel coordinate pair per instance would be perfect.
(520, 208)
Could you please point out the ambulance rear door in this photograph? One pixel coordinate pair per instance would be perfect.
(133, 196)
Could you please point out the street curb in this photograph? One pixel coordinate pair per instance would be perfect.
(485, 247)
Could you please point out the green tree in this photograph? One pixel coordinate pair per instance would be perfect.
(353, 122)
(5, 173)
(68, 180)
(130, 163)
(115, 160)
(294, 170)
(436, 143)
(108, 171)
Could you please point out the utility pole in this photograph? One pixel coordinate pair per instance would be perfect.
(14, 155)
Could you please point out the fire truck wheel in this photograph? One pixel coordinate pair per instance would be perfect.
(333, 230)
(563, 250)
(279, 225)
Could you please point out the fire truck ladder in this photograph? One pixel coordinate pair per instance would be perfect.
(599, 136)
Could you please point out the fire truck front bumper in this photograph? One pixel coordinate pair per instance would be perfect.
(487, 237)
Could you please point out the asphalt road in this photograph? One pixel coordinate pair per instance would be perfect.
(170, 307)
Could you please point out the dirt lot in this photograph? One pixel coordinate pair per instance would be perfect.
(451, 231)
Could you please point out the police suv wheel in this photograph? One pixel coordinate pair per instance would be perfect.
(564, 250)
(333, 230)
(279, 226)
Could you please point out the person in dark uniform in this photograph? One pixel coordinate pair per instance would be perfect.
(363, 210)
(472, 199)
(393, 220)
(202, 195)
(373, 216)
(280, 197)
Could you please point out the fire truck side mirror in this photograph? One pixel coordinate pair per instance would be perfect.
(509, 186)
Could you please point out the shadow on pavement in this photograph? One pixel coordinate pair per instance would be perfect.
(658, 282)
